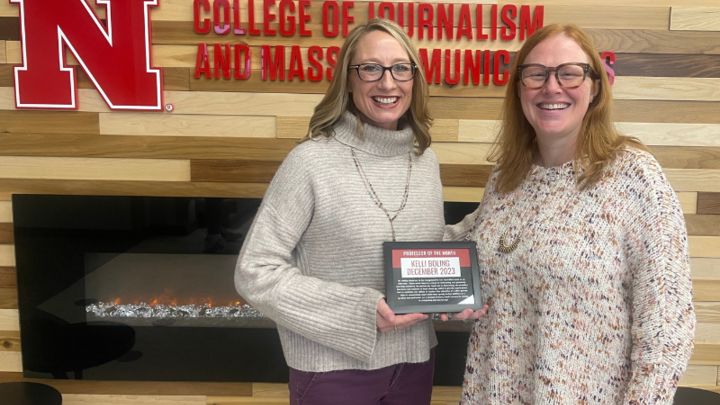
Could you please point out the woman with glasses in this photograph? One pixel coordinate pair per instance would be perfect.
(313, 258)
(582, 246)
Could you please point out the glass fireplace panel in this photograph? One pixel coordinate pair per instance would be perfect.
(142, 288)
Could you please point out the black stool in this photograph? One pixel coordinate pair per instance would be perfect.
(27, 393)
(696, 396)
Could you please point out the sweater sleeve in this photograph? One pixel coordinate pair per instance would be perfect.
(334, 315)
(663, 318)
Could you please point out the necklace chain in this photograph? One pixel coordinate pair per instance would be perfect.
(374, 196)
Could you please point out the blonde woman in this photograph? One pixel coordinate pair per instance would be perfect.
(582, 247)
(313, 258)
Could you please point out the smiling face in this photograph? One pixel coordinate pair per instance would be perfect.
(556, 113)
(383, 102)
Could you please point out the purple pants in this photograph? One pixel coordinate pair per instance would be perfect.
(401, 384)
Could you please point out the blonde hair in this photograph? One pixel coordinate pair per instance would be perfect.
(337, 100)
(598, 141)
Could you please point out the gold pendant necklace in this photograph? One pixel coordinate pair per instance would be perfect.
(504, 247)
(374, 196)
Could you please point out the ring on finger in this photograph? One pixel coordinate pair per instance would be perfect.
(396, 329)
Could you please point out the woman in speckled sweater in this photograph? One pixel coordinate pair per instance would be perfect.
(582, 247)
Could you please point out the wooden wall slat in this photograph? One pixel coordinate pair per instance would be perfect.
(130, 188)
(708, 247)
(10, 28)
(9, 319)
(615, 3)
(8, 297)
(2, 52)
(680, 157)
(97, 399)
(668, 134)
(706, 290)
(688, 202)
(707, 225)
(242, 103)
(708, 269)
(463, 194)
(656, 41)
(6, 211)
(233, 171)
(708, 203)
(478, 130)
(456, 175)
(49, 122)
(16, 167)
(10, 361)
(461, 153)
(9, 341)
(8, 277)
(128, 146)
(707, 332)
(707, 311)
(695, 19)
(176, 79)
(7, 255)
(705, 354)
(127, 123)
(699, 375)
(694, 179)
(666, 88)
(443, 130)
(667, 65)
(6, 235)
(691, 112)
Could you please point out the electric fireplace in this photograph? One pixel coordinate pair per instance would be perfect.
(142, 288)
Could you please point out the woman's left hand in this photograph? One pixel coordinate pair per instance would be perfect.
(466, 314)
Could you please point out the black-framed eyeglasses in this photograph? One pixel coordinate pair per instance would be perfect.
(568, 75)
(372, 72)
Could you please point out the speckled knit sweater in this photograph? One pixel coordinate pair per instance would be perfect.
(594, 306)
(313, 261)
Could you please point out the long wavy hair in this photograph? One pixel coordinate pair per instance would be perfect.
(598, 142)
(337, 100)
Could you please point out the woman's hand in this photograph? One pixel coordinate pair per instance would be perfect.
(466, 314)
(387, 320)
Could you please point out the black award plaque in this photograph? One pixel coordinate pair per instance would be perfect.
(429, 277)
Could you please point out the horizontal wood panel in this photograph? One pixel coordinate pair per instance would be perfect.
(117, 123)
(708, 269)
(691, 112)
(443, 130)
(9, 341)
(694, 179)
(79, 399)
(706, 332)
(669, 134)
(8, 297)
(67, 168)
(187, 388)
(656, 41)
(2, 52)
(695, 19)
(242, 103)
(709, 203)
(49, 122)
(233, 171)
(705, 246)
(478, 130)
(699, 375)
(707, 225)
(130, 188)
(666, 88)
(463, 194)
(7, 255)
(9, 319)
(706, 290)
(707, 311)
(667, 65)
(8, 277)
(688, 202)
(146, 147)
(6, 234)
(679, 157)
(10, 361)
(464, 175)
(461, 153)
(705, 354)
(6, 211)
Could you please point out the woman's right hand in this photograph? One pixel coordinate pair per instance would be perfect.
(387, 320)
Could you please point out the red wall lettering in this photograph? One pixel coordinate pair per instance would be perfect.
(115, 55)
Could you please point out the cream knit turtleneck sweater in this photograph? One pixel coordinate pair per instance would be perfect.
(312, 261)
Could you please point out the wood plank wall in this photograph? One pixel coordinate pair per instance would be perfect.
(226, 138)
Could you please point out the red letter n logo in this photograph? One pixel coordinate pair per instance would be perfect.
(116, 55)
